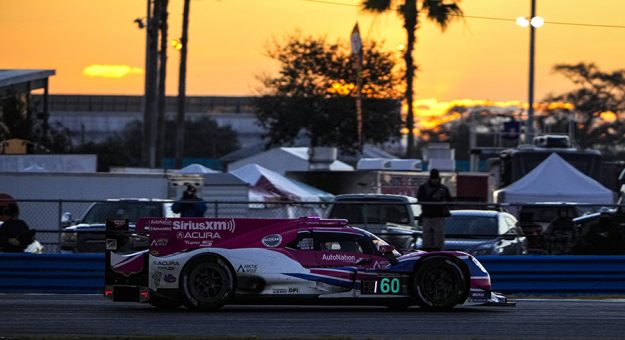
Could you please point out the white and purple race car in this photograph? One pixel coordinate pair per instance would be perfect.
(206, 263)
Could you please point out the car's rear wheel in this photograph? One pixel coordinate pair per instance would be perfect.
(207, 283)
(440, 283)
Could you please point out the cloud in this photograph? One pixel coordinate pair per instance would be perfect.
(111, 71)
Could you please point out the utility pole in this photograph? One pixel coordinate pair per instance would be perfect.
(145, 147)
(148, 154)
(529, 129)
(160, 121)
(180, 113)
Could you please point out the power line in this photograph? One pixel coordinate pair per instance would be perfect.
(329, 2)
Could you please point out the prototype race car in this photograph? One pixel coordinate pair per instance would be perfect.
(206, 263)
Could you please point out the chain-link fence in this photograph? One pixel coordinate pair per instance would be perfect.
(477, 228)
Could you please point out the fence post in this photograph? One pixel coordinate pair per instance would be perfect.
(60, 226)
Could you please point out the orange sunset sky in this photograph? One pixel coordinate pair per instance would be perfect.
(474, 58)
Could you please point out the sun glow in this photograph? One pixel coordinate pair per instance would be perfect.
(430, 113)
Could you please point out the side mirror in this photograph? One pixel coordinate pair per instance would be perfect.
(386, 249)
(361, 261)
(66, 219)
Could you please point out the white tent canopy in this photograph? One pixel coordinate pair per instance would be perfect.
(286, 188)
(196, 169)
(555, 180)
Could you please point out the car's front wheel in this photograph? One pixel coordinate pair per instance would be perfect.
(207, 284)
(440, 283)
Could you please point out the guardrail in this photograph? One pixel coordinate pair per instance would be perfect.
(557, 275)
(51, 273)
(538, 275)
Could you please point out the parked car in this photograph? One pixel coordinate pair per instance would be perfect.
(599, 237)
(87, 234)
(534, 220)
(484, 232)
(392, 217)
(542, 213)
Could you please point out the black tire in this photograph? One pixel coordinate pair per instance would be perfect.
(163, 303)
(207, 284)
(440, 283)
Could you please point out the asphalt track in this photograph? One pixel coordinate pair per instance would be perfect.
(91, 315)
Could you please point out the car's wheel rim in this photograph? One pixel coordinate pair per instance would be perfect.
(208, 283)
(438, 285)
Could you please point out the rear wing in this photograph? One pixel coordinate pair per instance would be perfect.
(126, 263)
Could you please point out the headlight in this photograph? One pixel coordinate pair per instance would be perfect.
(69, 237)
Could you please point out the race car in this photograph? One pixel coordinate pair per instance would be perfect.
(206, 263)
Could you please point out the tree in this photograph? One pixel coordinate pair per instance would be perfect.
(314, 94)
(439, 11)
(599, 103)
(16, 122)
(205, 140)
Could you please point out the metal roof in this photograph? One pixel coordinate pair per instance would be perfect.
(23, 80)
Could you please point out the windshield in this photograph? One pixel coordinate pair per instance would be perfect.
(374, 213)
(131, 211)
(471, 225)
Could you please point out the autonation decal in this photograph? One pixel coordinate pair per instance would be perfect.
(338, 257)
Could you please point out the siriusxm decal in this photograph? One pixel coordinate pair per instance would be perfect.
(272, 240)
(224, 225)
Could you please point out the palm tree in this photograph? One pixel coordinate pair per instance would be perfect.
(439, 11)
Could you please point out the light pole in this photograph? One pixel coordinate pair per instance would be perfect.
(533, 23)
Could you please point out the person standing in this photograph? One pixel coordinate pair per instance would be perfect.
(189, 204)
(433, 215)
(15, 235)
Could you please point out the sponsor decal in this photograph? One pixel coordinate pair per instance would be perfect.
(166, 265)
(338, 257)
(157, 278)
(380, 264)
(159, 242)
(160, 222)
(197, 235)
(160, 228)
(279, 291)
(247, 268)
(272, 240)
(305, 244)
(169, 278)
(117, 223)
(294, 290)
(225, 225)
(111, 244)
(207, 243)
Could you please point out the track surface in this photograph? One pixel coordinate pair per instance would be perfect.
(90, 315)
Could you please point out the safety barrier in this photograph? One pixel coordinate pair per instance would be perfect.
(51, 273)
(539, 275)
(557, 275)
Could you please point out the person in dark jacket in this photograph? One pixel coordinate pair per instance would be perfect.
(561, 233)
(189, 205)
(433, 215)
(15, 235)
